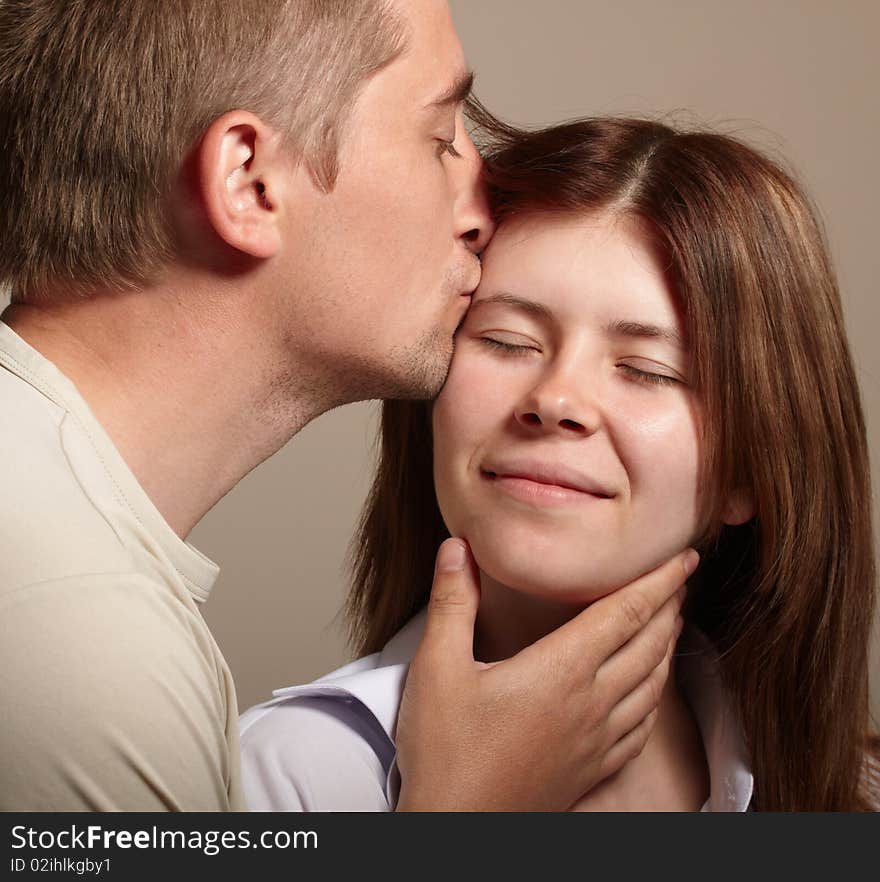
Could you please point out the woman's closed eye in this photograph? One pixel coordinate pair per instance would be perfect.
(650, 374)
(509, 346)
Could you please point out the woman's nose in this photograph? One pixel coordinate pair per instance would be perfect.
(554, 408)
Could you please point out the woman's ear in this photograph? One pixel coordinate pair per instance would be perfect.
(239, 173)
(738, 508)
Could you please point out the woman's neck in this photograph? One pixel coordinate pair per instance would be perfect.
(670, 774)
(509, 620)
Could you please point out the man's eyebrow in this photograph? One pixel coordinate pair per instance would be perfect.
(538, 310)
(621, 328)
(457, 93)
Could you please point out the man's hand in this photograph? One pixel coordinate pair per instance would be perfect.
(537, 731)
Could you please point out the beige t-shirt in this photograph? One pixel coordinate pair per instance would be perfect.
(114, 694)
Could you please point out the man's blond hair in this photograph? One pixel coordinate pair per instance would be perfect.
(100, 101)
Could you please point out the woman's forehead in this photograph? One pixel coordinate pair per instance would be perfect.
(574, 264)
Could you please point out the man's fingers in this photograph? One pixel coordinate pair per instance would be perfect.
(618, 675)
(618, 617)
(452, 608)
(593, 636)
(628, 747)
(634, 707)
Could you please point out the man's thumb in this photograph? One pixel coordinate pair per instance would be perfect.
(455, 596)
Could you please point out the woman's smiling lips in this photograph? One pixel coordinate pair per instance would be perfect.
(543, 482)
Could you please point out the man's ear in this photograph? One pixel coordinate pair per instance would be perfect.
(239, 164)
(739, 508)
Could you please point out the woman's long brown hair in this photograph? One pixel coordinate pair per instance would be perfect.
(786, 598)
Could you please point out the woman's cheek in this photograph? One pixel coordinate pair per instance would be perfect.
(661, 455)
(472, 396)
(466, 420)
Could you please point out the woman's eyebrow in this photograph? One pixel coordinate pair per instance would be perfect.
(623, 328)
(531, 307)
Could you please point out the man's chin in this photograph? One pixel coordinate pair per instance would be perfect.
(415, 373)
(423, 369)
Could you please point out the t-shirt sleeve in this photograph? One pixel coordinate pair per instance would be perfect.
(112, 700)
(320, 754)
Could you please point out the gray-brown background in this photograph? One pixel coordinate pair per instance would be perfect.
(798, 77)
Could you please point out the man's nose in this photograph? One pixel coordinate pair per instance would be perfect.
(473, 220)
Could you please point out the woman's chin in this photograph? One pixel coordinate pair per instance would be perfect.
(564, 566)
(549, 580)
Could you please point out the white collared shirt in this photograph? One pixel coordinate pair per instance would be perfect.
(329, 745)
